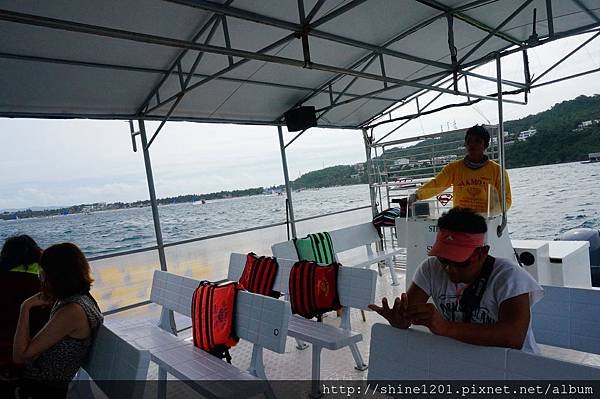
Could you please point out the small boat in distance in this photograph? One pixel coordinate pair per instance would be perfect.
(593, 157)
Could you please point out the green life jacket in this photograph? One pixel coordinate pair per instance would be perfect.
(316, 247)
(33, 268)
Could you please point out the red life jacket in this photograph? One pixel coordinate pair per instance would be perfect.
(259, 275)
(313, 289)
(213, 307)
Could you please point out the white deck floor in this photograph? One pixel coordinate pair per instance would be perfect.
(295, 364)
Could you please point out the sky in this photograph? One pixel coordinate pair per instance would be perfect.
(45, 163)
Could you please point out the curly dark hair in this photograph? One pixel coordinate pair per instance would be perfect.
(463, 220)
(479, 130)
(19, 251)
(66, 271)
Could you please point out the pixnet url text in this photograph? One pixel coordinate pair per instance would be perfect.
(460, 390)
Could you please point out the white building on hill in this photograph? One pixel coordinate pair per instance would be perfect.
(525, 134)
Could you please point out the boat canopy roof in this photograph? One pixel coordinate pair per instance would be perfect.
(249, 61)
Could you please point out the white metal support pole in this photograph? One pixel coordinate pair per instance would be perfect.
(167, 319)
(369, 168)
(501, 144)
(153, 203)
(288, 187)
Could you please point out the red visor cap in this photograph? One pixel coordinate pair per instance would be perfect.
(456, 246)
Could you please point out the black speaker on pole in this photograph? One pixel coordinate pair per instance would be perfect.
(300, 118)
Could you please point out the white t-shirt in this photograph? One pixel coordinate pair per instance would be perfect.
(507, 280)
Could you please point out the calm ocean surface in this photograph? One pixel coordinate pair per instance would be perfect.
(547, 200)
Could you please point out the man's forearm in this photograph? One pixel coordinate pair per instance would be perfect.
(428, 190)
(496, 334)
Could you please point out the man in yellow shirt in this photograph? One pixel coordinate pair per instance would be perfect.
(470, 177)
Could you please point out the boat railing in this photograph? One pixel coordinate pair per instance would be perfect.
(417, 159)
(123, 279)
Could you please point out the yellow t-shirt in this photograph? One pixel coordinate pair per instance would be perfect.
(470, 186)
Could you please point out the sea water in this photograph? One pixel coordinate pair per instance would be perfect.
(547, 201)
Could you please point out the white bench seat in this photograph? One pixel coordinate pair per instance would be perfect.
(568, 317)
(207, 374)
(116, 366)
(356, 289)
(413, 354)
(188, 362)
(149, 337)
(370, 259)
(324, 335)
(260, 320)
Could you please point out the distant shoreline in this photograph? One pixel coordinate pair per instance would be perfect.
(182, 199)
(103, 206)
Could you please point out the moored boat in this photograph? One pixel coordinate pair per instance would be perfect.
(593, 157)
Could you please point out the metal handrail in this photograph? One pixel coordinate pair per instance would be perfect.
(172, 244)
(146, 302)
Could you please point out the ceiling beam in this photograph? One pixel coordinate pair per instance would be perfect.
(589, 12)
(469, 20)
(129, 68)
(496, 30)
(299, 29)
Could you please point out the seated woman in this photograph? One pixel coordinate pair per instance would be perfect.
(18, 281)
(55, 354)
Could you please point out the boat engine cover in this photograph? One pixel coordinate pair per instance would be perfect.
(585, 234)
(593, 237)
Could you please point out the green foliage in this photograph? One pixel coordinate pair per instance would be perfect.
(210, 196)
(562, 117)
(553, 146)
(557, 139)
(340, 175)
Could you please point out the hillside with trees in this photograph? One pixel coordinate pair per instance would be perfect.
(340, 175)
(564, 116)
(560, 137)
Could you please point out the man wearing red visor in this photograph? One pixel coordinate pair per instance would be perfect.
(477, 298)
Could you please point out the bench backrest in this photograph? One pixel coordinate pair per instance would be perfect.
(568, 318)
(112, 358)
(354, 236)
(343, 240)
(258, 319)
(356, 287)
(285, 250)
(413, 354)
